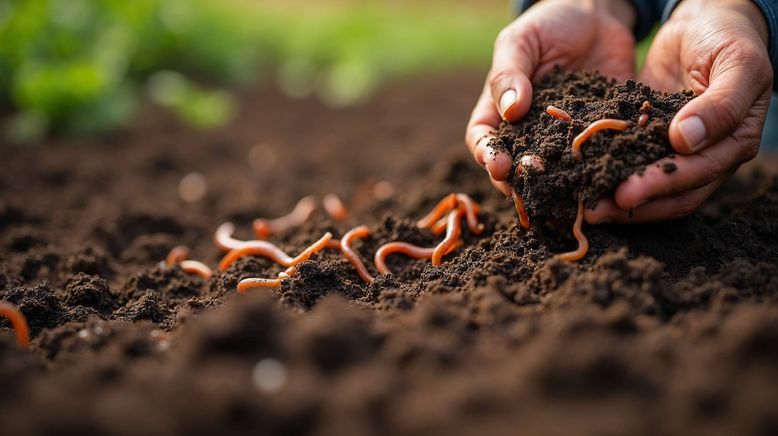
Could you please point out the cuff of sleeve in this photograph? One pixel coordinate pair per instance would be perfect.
(770, 11)
(646, 15)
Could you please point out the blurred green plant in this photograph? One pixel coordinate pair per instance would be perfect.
(80, 66)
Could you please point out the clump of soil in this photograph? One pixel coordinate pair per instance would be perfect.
(609, 156)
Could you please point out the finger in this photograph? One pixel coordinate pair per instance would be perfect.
(690, 172)
(483, 122)
(503, 187)
(740, 75)
(515, 59)
(668, 208)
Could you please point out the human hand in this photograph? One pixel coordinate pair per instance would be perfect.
(718, 49)
(574, 34)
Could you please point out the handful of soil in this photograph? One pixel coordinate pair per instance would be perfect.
(608, 156)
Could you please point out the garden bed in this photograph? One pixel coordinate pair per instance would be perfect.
(666, 328)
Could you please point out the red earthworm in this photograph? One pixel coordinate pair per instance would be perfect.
(583, 243)
(18, 321)
(195, 267)
(246, 284)
(558, 113)
(271, 251)
(440, 226)
(606, 123)
(642, 120)
(453, 231)
(351, 255)
(335, 207)
(448, 203)
(298, 216)
(405, 248)
(519, 203)
(176, 255)
(223, 237)
(333, 243)
(471, 209)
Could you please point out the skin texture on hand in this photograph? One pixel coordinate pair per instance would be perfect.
(574, 34)
(718, 49)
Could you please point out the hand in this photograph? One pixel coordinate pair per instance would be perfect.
(718, 49)
(574, 34)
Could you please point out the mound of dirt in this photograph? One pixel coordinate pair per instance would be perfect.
(668, 328)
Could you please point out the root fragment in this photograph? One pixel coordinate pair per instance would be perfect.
(520, 210)
(583, 243)
(604, 124)
(558, 113)
(351, 255)
(298, 216)
(18, 321)
(335, 207)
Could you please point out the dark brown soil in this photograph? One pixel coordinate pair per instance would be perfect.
(609, 156)
(665, 329)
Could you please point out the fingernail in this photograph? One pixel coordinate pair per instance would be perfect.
(693, 132)
(507, 100)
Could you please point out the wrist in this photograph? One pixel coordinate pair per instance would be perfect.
(745, 8)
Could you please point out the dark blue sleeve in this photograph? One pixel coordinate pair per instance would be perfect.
(770, 11)
(648, 13)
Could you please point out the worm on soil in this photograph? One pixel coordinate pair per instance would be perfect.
(583, 243)
(196, 267)
(642, 120)
(453, 231)
(471, 213)
(335, 207)
(440, 226)
(223, 237)
(445, 205)
(520, 210)
(351, 255)
(176, 255)
(246, 284)
(18, 321)
(271, 251)
(604, 124)
(405, 248)
(297, 217)
(333, 243)
(558, 113)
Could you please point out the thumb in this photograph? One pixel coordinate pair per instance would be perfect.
(512, 66)
(738, 78)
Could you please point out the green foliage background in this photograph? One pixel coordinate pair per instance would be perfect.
(82, 66)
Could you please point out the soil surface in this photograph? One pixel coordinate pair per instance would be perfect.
(607, 158)
(668, 328)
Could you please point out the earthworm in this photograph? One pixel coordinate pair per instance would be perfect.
(405, 248)
(271, 251)
(642, 120)
(558, 113)
(246, 284)
(606, 123)
(196, 267)
(445, 205)
(453, 231)
(298, 216)
(351, 255)
(18, 321)
(519, 203)
(583, 243)
(471, 213)
(335, 207)
(176, 255)
(333, 243)
(223, 237)
(440, 226)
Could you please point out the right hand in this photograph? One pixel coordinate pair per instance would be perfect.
(574, 34)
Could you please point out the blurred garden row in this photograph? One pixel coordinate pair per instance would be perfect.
(74, 67)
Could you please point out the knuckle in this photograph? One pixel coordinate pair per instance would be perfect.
(499, 75)
(749, 151)
(729, 110)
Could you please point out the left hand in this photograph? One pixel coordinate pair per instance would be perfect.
(718, 49)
